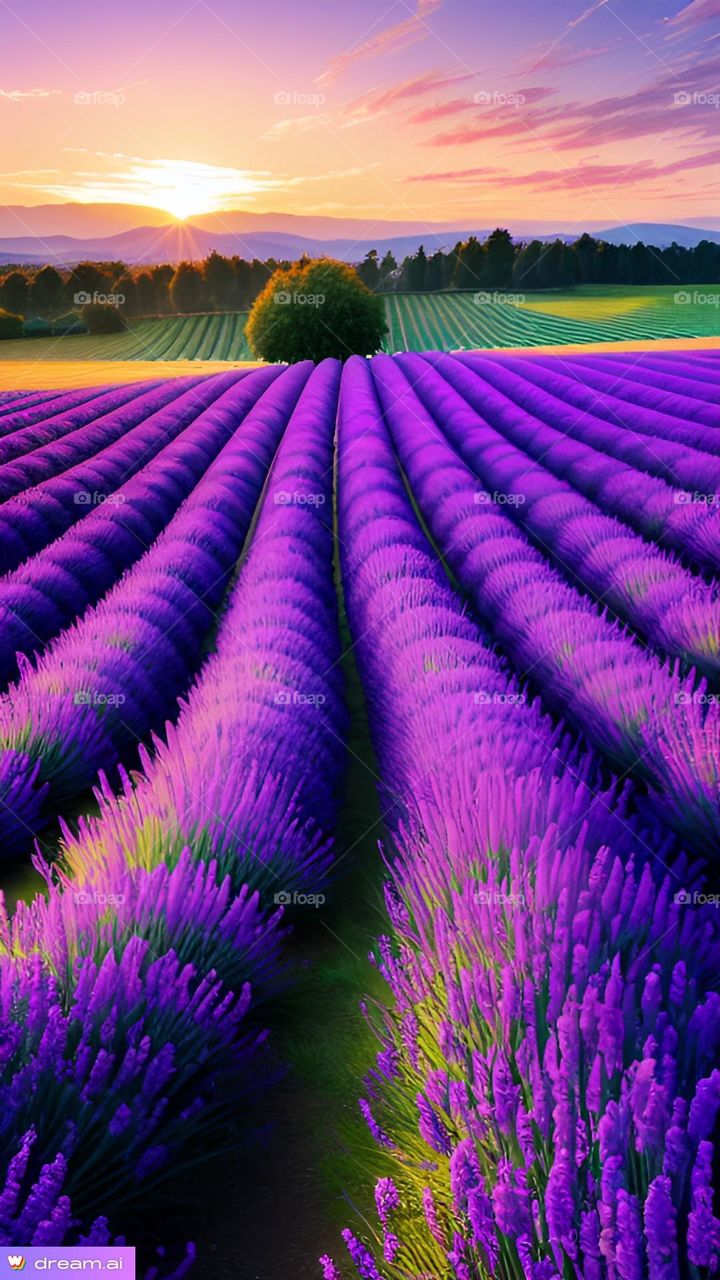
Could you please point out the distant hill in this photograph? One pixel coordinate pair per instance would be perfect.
(26, 235)
(78, 220)
(659, 234)
(171, 244)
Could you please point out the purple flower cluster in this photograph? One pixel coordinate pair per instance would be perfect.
(547, 1082)
(125, 991)
(20, 409)
(671, 607)
(42, 461)
(115, 676)
(631, 706)
(29, 431)
(32, 519)
(50, 590)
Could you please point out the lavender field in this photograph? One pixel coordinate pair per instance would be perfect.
(518, 556)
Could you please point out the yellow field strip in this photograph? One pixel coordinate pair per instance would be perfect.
(60, 375)
(597, 348)
(51, 375)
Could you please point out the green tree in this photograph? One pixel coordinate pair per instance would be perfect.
(85, 280)
(470, 265)
(369, 269)
(47, 292)
(314, 311)
(161, 277)
(220, 280)
(526, 270)
(388, 265)
(126, 287)
(10, 325)
(499, 258)
(417, 270)
(187, 293)
(145, 294)
(435, 272)
(15, 292)
(100, 318)
(586, 251)
(555, 266)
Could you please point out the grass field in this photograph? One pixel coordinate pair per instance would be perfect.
(416, 322)
(205, 337)
(420, 322)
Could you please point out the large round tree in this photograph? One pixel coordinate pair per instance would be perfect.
(315, 309)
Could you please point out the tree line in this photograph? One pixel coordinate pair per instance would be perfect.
(500, 263)
(215, 284)
(220, 283)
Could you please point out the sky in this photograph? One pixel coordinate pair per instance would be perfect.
(470, 112)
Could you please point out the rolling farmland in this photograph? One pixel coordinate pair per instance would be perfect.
(528, 556)
(416, 322)
(206, 337)
(448, 321)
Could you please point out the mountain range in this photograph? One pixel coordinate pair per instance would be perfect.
(65, 234)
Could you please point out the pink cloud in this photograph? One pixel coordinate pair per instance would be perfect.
(557, 56)
(679, 103)
(388, 41)
(456, 175)
(695, 14)
(587, 13)
(437, 110)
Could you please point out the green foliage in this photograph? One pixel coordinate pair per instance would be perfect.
(15, 293)
(86, 279)
(314, 310)
(47, 292)
(186, 289)
(101, 318)
(369, 269)
(69, 324)
(36, 327)
(10, 324)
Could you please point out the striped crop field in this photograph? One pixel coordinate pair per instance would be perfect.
(519, 558)
(416, 322)
(451, 321)
(202, 337)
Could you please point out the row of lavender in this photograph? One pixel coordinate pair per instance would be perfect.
(130, 994)
(546, 1094)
